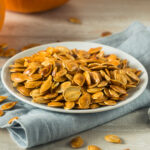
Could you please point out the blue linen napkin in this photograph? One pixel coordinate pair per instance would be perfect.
(36, 126)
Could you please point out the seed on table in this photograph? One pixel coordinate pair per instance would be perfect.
(112, 139)
(8, 106)
(93, 147)
(77, 142)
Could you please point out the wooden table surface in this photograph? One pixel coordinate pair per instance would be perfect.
(96, 16)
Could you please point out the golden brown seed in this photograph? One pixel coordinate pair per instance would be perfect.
(33, 84)
(65, 85)
(61, 73)
(76, 142)
(62, 49)
(40, 100)
(79, 79)
(113, 93)
(93, 106)
(110, 102)
(95, 76)
(102, 84)
(98, 95)
(94, 50)
(72, 93)
(46, 85)
(93, 147)
(112, 139)
(94, 90)
(118, 89)
(59, 98)
(2, 98)
(17, 70)
(84, 101)
(24, 91)
(31, 69)
(74, 20)
(87, 77)
(50, 96)
(69, 105)
(34, 77)
(106, 33)
(106, 92)
(12, 119)
(1, 113)
(18, 77)
(71, 65)
(8, 106)
(55, 104)
(35, 93)
(132, 75)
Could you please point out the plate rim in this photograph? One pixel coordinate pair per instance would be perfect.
(101, 109)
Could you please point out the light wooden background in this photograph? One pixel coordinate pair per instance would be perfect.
(97, 16)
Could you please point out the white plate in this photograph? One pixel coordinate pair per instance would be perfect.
(133, 94)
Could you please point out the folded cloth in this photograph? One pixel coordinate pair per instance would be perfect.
(36, 126)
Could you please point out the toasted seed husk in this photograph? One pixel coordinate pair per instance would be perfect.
(33, 84)
(84, 101)
(24, 91)
(102, 84)
(69, 105)
(71, 65)
(2, 98)
(110, 102)
(76, 142)
(18, 77)
(94, 50)
(36, 93)
(94, 90)
(98, 95)
(93, 147)
(41, 100)
(50, 96)
(31, 69)
(93, 106)
(112, 139)
(106, 92)
(17, 70)
(46, 84)
(34, 77)
(65, 85)
(118, 89)
(69, 77)
(8, 106)
(72, 93)
(58, 98)
(87, 77)
(132, 75)
(55, 104)
(113, 93)
(79, 79)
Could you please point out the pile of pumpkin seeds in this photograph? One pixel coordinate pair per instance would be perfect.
(74, 79)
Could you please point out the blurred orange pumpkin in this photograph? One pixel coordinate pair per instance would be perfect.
(2, 12)
(30, 6)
